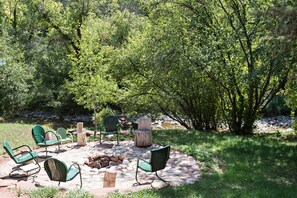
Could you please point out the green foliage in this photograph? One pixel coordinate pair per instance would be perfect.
(45, 193)
(93, 74)
(295, 125)
(79, 194)
(285, 14)
(42, 50)
(14, 87)
(56, 193)
(200, 62)
(91, 83)
(290, 91)
(102, 114)
(159, 76)
(52, 66)
(277, 106)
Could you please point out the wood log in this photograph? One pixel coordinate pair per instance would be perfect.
(81, 139)
(143, 138)
(109, 179)
(79, 127)
(144, 124)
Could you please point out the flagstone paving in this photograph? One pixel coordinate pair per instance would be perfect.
(180, 169)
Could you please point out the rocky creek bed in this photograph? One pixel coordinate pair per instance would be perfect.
(265, 124)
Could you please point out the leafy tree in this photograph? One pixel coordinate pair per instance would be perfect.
(247, 65)
(160, 77)
(285, 32)
(200, 62)
(93, 74)
(91, 83)
(14, 76)
(41, 49)
(226, 45)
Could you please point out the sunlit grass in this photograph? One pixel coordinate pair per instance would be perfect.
(16, 134)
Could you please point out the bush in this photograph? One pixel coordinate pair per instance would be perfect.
(277, 107)
(102, 114)
(79, 194)
(44, 192)
(295, 125)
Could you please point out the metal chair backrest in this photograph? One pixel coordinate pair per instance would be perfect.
(9, 150)
(56, 169)
(62, 132)
(38, 134)
(159, 158)
(111, 123)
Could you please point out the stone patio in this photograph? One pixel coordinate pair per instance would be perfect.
(180, 169)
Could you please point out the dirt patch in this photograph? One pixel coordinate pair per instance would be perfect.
(3, 159)
(4, 190)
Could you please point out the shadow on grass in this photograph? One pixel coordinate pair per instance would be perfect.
(253, 166)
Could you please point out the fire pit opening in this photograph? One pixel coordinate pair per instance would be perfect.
(101, 161)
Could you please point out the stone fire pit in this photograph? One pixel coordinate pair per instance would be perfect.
(101, 161)
(122, 160)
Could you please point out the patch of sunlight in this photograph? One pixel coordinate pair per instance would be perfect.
(281, 181)
(218, 165)
(217, 169)
(236, 186)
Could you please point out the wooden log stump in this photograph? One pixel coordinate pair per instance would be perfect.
(81, 136)
(79, 127)
(109, 179)
(144, 124)
(143, 138)
(81, 139)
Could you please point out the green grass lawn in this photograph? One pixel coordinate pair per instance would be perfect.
(15, 134)
(232, 166)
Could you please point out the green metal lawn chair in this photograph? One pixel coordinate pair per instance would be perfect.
(22, 156)
(39, 136)
(111, 126)
(58, 170)
(63, 136)
(158, 160)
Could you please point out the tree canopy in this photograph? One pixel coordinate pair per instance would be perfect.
(203, 63)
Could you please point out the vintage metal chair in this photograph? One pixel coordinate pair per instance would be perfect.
(22, 156)
(58, 170)
(63, 136)
(158, 160)
(111, 126)
(39, 136)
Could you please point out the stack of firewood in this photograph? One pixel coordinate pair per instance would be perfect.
(100, 161)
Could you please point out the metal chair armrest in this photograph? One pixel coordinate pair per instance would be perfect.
(142, 160)
(21, 153)
(69, 134)
(24, 145)
(59, 136)
(74, 164)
